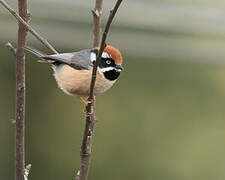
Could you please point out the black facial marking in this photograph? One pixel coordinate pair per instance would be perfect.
(111, 75)
(103, 63)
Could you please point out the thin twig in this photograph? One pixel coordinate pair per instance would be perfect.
(85, 152)
(104, 36)
(90, 116)
(97, 19)
(11, 48)
(20, 94)
(29, 28)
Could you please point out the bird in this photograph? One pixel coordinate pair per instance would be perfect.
(73, 70)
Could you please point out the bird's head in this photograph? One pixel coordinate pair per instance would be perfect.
(111, 62)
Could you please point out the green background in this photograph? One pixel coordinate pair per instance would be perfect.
(164, 119)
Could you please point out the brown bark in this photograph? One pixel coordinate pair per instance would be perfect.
(20, 95)
(97, 19)
(90, 115)
(85, 151)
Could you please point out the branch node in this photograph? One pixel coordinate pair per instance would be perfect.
(13, 121)
(27, 171)
(28, 17)
(96, 13)
(11, 48)
(77, 175)
(89, 133)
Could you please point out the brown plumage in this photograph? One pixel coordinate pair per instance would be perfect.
(77, 82)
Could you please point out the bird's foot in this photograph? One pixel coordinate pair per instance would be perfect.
(86, 102)
(83, 100)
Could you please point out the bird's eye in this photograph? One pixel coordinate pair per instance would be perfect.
(108, 62)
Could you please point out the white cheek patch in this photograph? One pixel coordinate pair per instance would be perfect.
(93, 57)
(109, 69)
(105, 55)
(106, 69)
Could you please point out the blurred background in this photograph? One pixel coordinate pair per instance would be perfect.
(163, 119)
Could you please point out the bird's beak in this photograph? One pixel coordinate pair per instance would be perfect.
(119, 67)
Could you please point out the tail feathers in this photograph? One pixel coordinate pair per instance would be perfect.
(38, 54)
(52, 59)
(34, 51)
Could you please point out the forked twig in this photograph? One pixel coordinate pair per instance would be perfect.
(29, 28)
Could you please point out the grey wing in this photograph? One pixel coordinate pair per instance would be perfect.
(78, 60)
(83, 58)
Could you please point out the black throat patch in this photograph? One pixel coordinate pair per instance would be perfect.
(111, 75)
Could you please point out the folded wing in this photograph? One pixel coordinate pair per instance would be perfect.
(79, 60)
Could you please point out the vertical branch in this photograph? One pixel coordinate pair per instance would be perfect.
(20, 94)
(97, 19)
(90, 116)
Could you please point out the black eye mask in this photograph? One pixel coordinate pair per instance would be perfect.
(103, 63)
